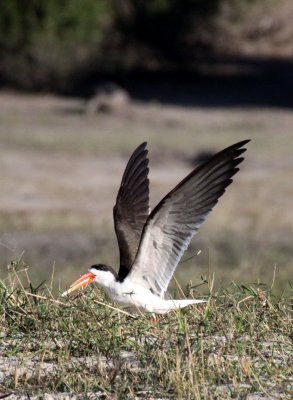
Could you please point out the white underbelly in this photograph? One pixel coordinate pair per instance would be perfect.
(140, 298)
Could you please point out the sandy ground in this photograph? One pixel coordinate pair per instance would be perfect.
(34, 367)
(61, 169)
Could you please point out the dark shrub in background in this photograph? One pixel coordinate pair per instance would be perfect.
(55, 44)
(44, 44)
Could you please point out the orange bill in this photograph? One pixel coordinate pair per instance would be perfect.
(83, 281)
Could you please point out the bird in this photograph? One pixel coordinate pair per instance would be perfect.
(151, 243)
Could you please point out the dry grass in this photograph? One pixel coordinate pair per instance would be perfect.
(236, 346)
(259, 29)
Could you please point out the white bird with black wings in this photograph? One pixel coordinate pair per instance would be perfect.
(152, 244)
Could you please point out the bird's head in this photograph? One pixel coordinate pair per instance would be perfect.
(100, 273)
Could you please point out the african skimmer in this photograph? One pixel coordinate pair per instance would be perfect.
(151, 244)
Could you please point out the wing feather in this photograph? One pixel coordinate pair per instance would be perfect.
(132, 208)
(172, 224)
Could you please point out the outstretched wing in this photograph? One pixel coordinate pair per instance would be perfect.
(172, 224)
(132, 208)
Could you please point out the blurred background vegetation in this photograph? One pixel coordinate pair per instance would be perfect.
(190, 77)
(57, 45)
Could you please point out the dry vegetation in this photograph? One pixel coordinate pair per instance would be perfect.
(236, 346)
(260, 28)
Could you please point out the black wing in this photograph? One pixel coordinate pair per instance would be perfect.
(172, 224)
(132, 208)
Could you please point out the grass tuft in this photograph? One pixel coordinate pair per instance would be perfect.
(237, 344)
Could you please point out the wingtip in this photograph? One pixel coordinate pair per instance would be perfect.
(143, 145)
(243, 142)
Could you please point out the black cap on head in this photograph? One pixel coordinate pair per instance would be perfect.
(101, 267)
(104, 267)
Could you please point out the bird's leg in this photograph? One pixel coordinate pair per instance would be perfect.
(154, 319)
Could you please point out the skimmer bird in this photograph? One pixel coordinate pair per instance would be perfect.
(152, 244)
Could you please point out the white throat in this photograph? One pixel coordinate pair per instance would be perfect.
(106, 279)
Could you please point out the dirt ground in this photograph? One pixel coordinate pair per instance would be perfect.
(61, 169)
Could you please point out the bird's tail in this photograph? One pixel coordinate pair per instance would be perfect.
(174, 304)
